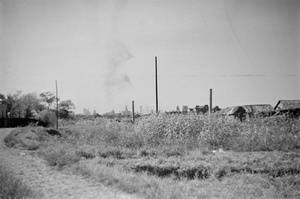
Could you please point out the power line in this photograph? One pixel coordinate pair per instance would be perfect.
(242, 75)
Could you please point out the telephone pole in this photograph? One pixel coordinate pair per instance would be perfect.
(156, 86)
(210, 101)
(56, 104)
(133, 117)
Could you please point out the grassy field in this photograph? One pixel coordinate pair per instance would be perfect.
(13, 187)
(183, 156)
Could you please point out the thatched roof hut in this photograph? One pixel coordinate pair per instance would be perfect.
(225, 111)
(287, 105)
(249, 110)
(257, 109)
(236, 111)
(233, 110)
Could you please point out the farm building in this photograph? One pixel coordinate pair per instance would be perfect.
(236, 111)
(215, 109)
(258, 110)
(185, 109)
(241, 112)
(288, 106)
(201, 109)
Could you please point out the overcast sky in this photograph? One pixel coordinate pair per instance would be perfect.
(102, 52)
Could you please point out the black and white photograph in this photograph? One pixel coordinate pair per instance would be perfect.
(153, 99)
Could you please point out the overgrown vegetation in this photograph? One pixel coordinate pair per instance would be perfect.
(41, 107)
(184, 156)
(14, 188)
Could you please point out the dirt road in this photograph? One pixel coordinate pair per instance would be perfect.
(51, 183)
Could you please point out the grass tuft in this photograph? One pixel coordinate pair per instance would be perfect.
(60, 155)
(12, 187)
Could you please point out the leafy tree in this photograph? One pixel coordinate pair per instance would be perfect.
(65, 108)
(47, 116)
(2, 97)
(95, 113)
(22, 105)
(86, 112)
(29, 104)
(67, 105)
(13, 103)
(9, 102)
(47, 98)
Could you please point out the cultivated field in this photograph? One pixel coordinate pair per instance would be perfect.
(179, 156)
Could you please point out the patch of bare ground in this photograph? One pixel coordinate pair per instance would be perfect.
(50, 183)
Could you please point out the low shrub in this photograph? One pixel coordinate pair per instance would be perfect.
(60, 155)
(47, 116)
(12, 187)
(22, 138)
(85, 154)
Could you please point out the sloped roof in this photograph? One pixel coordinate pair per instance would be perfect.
(234, 109)
(258, 108)
(229, 110)
(287, 104)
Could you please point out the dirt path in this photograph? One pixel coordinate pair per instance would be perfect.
(50, 182)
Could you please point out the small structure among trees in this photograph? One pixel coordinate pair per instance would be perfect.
(258, 110)
(290, 107)
(236, 111)
(250, 111)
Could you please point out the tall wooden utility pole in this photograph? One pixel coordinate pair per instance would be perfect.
(156, 87)
(210, 101)
(56, 104)
(133, 117)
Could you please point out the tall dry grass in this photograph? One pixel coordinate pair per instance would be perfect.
(14, 188)
(170, 156)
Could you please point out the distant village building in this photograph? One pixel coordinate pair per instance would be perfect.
(112, 113)
(126, 112)
(177, 109)
(258, 110)
(215, 109)
(185, 109)
(198, 110)
(237, 112)
(250, 111)
(201, 109)
(288, 106)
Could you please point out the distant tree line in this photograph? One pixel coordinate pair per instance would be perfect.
(32, 105)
